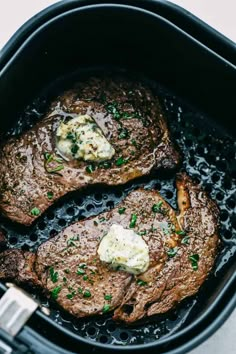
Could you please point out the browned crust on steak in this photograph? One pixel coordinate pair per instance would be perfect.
(167, 281)
(24, 182)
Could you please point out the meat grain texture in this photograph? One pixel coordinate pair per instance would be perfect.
(131, 119)
(182, 249)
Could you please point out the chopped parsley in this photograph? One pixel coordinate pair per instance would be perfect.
(123, 133)
(105, 164)
(55, 169)
(121, 161)
(70, 241)
(53, 275)
(185, 240)
(72, 136)
(80, 290)
(67, 271)
(172, 252)
(112, 108)
(156, 208)
(50, 195)
(102, 219)
(90, 168)
(108, 297)
(121, 210)
(35, 211)
(134, 142)
(52, 164)
(82, 265)
(71, 295)
(142, 233)
(194, 258)
(133, 220)
(141, 282)
(74, 149)
(55, 292)
(80, 271)
(85, 277)
(106, 308)
(180, 232)
(48, 157)
(87, 293)
(64, 279)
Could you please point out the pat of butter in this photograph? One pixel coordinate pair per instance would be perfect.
(81, 138)
(125, 249)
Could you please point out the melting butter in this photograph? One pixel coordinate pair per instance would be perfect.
(124, 249)
(81, 138)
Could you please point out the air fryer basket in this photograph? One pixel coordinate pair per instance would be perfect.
(207, 147)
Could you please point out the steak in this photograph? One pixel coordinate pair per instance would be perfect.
(33, 175)
(182, 250)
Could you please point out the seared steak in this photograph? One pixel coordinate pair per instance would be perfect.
(33, 175)
(182, 250)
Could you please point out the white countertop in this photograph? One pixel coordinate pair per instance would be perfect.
(219, 14)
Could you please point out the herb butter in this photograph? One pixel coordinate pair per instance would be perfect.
(124, 249)
(81, 138)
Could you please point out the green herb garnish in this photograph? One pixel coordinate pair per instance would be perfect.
(71, 136)
(82, 265)
(121, 161)
(80, 271)
(133, 220)
(180, 232)
(121, 210)
(90, 168)
(71, 295)
(52, 164)
(134, 142)
(102, 219)
(35, 211)
(87, 293)
(50, 195)
(112, 108)
(70, 242)
(64, 279)
(55, 169)
(185, 240)
(55, 292)
(172, 252)
(85, 277)
(74, 149)
(105, 164)
(80, 290)
(142, 233)
(67, 271)
(141, 282)
(48, 157)
(156, 208)
(106, 308)
(194, 258)
(108, 297)
(53, 275)
(123, 133)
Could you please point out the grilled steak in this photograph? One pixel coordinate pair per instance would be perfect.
(182, 249)
(33, 175)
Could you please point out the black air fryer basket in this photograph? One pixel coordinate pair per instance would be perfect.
(192, 68)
